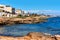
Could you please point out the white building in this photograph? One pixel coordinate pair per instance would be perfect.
(18, 11)
(5, 9)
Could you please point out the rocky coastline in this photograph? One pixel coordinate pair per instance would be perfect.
(27, 20)
(33, 36)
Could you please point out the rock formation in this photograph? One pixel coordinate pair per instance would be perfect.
(32, 36)
(4, 21)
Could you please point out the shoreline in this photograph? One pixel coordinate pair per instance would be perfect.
(27, 20)
(32, 36)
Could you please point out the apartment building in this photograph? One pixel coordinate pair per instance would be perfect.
(6, 9)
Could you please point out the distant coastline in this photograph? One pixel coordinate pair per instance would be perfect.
(10, 15)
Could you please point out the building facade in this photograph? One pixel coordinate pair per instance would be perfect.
(6, 9)
(18, 11)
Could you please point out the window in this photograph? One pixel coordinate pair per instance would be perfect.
(1, 7)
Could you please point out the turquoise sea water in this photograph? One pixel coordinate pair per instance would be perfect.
(52, 26)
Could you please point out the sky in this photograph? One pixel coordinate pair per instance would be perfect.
(52, 5)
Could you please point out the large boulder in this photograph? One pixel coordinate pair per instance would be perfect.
(57, 37)
(40, 36)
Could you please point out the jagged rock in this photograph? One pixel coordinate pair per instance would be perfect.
(57, 37)
(40, 36)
